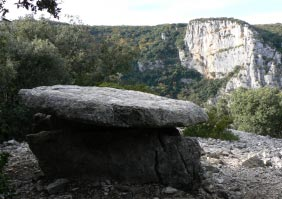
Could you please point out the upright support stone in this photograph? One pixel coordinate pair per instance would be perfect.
(81, 139)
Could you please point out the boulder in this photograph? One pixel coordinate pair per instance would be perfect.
(103, 106)
(57, 186)
(253, 162)
(126, 155)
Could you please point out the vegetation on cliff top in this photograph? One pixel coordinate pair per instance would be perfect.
(241, 22)
(271, 33)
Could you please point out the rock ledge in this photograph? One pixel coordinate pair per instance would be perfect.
(103, 106)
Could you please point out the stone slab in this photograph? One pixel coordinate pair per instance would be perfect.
(104, 106)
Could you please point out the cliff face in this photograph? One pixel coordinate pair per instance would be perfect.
(216, 47)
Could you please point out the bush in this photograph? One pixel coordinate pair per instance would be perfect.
(258, 111)
(15, 121)
(4, 188)
(215, 127)
(200, 91)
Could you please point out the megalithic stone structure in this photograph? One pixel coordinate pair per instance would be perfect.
(128, 136)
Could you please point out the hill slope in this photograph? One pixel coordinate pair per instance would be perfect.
(215, 47)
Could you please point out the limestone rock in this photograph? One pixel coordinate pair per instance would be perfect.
(169, 190)
(216, 47)
(106, 133)
(130, 155)
(253, 162)
(239, 182)
(57, 186)
(245, 173)
(112, 107)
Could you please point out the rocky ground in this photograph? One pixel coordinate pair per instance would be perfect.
(249, 168)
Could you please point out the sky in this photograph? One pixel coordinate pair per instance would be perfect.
(153, 12)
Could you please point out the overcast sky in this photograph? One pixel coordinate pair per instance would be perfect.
(152, 12)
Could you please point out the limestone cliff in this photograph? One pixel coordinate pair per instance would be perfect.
(215, 47)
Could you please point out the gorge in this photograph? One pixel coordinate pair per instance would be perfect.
(216, 47)
(230, 51)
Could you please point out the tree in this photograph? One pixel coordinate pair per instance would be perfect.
(215, 127)
(41, 53)
(112, 59)
(258, 111)
(51, 6)
(7, 76)
(7, 65)
(39, 64)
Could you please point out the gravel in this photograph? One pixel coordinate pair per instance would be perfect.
(248, 168)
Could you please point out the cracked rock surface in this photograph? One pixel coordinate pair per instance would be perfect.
(28, 182)
(125, 155)
(107, 133)
(102, 106)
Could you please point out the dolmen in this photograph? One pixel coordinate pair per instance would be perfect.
(106, 133)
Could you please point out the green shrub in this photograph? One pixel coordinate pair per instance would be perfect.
(258, 111)
(4, 188)
(200, 91)
(271, 33)
(15, 121)
(215, 127)
(165, 81)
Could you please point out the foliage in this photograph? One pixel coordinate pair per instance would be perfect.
(222, 106)
(7, 66)
(203, 89)
(215, 127)
(200, 91)
(148, 39)
(15, 121)
(41, 53)
(167, 81)
(258, 111)
(220, 19)
(3, 160)
(113, 60)
(4, 189)
(38, 63)
(50, 6)
(271, 33)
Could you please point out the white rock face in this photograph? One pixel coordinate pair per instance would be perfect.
(216, 47)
